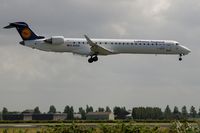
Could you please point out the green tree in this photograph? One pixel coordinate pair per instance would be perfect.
(5, 110)
(101, 109)
(37, 110)
(140, 113)
(70, 112)
(83, 113)
(52, 109)
(134, 113)
(176, 113)
(117, 111)
(120, 112)
(199, 113)
(156, 113)
(89, 109)
(66, 110)
(108, 109)
(193, 112)
(147, 113)
(167, 113)
(184, 112)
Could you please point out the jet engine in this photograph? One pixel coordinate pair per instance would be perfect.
(55, 40)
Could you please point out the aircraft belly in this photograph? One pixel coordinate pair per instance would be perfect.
(82, 50)
(60, 49)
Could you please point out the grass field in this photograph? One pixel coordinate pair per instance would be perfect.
(175, 127)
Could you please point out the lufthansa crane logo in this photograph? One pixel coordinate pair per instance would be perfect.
(26, 33)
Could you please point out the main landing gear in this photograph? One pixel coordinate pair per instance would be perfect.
(93, 58)
(180, 57)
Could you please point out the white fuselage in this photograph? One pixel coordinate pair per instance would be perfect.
(118, 46)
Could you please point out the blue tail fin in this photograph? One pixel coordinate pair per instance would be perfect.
(23, 29)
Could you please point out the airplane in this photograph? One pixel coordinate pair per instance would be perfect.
(95, 47)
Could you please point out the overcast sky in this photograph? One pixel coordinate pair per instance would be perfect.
(30, 78)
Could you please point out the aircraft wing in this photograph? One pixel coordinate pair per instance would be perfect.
(96, 48)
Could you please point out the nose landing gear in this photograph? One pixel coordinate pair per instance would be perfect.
(93, 58)
(180, 57)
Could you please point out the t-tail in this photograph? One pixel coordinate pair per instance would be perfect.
(25, 32)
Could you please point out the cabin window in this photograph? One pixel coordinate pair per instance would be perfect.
(105, 42)
(111, 43)
(119, 43)
(131, 43)
(73, 42)
(177, 44)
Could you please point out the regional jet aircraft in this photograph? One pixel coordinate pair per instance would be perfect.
(94, 47)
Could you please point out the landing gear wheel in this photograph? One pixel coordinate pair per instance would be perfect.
(95, 58)
(90, 60)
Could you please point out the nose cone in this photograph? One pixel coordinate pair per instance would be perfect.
(188, 50)
(185, 50)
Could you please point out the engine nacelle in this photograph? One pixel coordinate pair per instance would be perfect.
(56, 40)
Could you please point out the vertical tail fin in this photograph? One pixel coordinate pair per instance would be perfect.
(23, 29)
